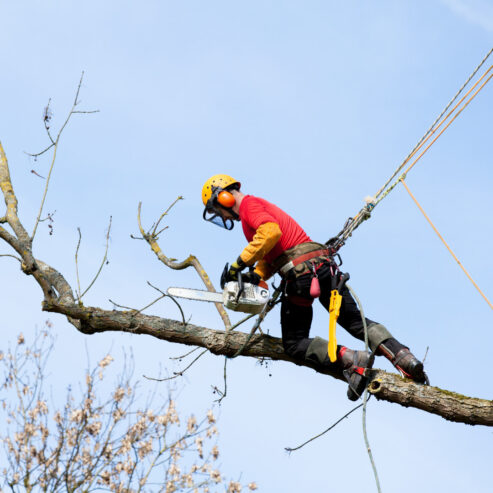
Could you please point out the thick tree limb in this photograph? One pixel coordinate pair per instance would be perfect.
(385, 386)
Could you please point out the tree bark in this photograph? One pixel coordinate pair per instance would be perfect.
(384, 386)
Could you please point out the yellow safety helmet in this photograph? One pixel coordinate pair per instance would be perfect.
(217, 198)
(218, 181)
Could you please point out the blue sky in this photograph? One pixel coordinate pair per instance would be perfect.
(310, 105)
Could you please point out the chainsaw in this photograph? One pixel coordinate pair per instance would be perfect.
(237, 295)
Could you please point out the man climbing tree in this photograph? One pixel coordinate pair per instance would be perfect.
(277, 244)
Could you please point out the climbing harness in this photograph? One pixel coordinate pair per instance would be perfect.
(287, 262)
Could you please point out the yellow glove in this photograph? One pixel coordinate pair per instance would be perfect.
(237, 266)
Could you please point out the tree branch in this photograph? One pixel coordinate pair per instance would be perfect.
(384, 386)
(190, 261)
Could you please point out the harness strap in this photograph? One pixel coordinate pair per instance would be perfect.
(302, 258)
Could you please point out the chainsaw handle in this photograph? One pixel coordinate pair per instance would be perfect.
(224, 276)
(240, 286)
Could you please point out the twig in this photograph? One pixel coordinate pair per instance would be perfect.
(40, 153)
(184, 355)
(49, 217)
(172, 299)
(165, 213)
(288, 449)
(426, 354)
(179, 373)
(9, 255)
(123, 306)
(160, 231)
(225, 392)
(102, 263)
(248, 317)
(152, 303)
(77, 263)
(54, 144)
(34, 172)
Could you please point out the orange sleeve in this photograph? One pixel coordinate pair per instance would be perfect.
(264, 240)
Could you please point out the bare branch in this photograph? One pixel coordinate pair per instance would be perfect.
(13, 256)
(172, 298)
(179, 358)
(223, 393)
(45, 190)
(102, 263)
(177, 374)
(426, 354)
(165, 213)
(152, 303)
(54, 144)
(243, 320)
(123, 306)
(190, 261)
(77, 262)
(41, 152)
(289, 449)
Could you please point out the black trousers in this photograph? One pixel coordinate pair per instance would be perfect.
(297, 312)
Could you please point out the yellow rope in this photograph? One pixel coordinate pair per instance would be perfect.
(445, 243)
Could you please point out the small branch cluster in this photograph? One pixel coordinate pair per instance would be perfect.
(96, 443)
(152, 237)
(54, 142)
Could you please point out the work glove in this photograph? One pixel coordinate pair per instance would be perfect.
(251, 277)
(237, 266)
(230, 273)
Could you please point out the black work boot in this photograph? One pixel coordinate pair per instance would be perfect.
(354, 365)
(408, 365)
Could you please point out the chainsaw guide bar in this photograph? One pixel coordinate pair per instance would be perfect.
(249, 299)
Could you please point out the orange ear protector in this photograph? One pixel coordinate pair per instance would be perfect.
(226, 199)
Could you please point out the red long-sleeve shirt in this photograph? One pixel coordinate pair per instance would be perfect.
(255, 212)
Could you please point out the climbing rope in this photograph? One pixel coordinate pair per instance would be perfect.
(365, 395)
(445, 243)
(441, 132)
(339, 240)
(418, 145)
